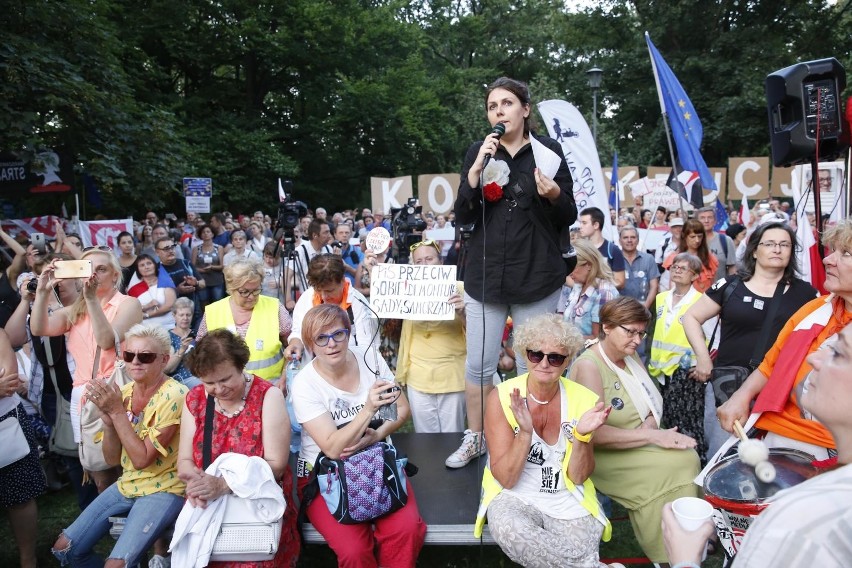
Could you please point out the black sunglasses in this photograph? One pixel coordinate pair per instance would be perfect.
(555, 359)
(144, 358)
(103, 248)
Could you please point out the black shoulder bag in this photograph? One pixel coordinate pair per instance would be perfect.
(726, 380)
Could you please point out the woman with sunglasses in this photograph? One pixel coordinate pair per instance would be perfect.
(335, 399)
(587, 289)
(637, 464)
(541, 504)
(99, 314)
(261, 321)
(431, 359)
(694, 241)
(250, 418)
(141, 434)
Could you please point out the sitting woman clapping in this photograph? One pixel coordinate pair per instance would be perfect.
(141, 434)
(542, 507)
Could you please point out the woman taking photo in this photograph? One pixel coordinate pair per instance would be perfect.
(207, 259)
(181, 338)
(742, 303)
(588, 288)
(335, 398)
(519, 212)
(637, 464)
(537, 516)
(694, 241)
(126, 258)
(141, 433)
(261, 321)
(155, 291)
(250, 419)
(93, 321)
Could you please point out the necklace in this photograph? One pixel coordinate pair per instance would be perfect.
(242, 406)
(542, 403)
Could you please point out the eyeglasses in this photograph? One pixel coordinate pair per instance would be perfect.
(144, 358)
(102, 248)
(428, 243)
(249, 293)
(773, 244)
(338, 336)
(554, 359)
(678, 268)
(168, 248)
(634, 333)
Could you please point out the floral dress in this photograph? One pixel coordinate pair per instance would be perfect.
(242, 434)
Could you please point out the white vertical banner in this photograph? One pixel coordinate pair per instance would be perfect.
(567, 126)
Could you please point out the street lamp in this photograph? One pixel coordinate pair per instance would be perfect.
(595, 76)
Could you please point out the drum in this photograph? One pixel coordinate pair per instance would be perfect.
(738, 496)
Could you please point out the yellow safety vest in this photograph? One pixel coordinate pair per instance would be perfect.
(668, 346)
(267, 353)
(579, 400)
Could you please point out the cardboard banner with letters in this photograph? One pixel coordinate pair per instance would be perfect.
(437, 192)
(387, 193)
(415, 292)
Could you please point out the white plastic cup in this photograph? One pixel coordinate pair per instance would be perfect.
(691, 512)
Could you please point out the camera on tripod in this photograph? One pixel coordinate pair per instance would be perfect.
(406, 225)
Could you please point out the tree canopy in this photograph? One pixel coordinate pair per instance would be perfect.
(329, 93)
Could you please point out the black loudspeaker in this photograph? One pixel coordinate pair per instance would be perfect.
(798, 98)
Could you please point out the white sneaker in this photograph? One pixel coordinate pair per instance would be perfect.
(158, 561)
(472, 446)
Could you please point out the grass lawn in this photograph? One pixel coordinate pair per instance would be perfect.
(57, 510)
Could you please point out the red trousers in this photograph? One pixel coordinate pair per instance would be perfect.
(392, 541)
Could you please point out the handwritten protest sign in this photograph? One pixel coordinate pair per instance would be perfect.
(409, 291)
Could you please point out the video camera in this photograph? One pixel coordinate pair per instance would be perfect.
(290, 212)
(406, 226)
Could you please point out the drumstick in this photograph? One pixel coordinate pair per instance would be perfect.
(738, 429)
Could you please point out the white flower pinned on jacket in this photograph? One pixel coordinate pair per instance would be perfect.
(494, 177)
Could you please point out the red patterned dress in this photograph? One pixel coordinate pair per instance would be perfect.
(242, 434)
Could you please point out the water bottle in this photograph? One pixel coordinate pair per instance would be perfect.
(293, 368)
(685, 362)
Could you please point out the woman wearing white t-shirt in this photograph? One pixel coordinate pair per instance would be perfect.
(335, 399)
(239, 249)
(156, 300)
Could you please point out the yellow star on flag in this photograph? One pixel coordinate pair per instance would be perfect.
(687, 115)
(681, 103)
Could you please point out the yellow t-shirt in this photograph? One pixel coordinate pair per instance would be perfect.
(432, 354)
(164, 409)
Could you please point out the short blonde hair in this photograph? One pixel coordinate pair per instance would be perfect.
(548, 328)
(153, 332)
(839, 237)
(242, 271)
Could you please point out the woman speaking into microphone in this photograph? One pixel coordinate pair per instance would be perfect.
(514, 265)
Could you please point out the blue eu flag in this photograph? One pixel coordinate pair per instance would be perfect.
(685, 125)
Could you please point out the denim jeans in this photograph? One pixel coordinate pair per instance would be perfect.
(147, 518)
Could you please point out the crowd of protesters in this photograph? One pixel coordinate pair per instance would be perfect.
(202, 315)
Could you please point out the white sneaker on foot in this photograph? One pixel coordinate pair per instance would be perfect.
(472, 446)
(158, 561)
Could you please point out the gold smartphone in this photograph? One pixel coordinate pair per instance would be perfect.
(72, 269)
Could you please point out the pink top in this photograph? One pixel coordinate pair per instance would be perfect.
(81, 344)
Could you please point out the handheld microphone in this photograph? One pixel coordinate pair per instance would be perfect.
(499, 129)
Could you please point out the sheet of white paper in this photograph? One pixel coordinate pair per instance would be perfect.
(546, 159)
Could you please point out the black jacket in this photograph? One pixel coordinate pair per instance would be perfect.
(522, 262)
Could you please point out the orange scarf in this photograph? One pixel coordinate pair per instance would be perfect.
(343, 303)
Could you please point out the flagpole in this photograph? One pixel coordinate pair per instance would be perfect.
(681, 189)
